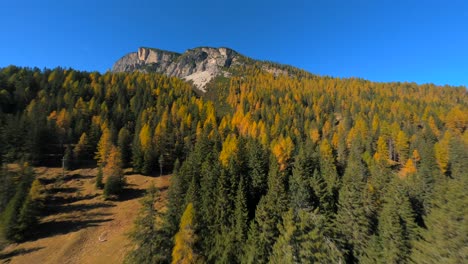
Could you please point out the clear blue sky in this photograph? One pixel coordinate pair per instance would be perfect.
(380, 40)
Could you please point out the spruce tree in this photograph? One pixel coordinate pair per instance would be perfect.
(264, 231)
(14, 216)
(99, 179)
(352, 223)
(150, 245)
(124, 141)
(258, 172)
(28, 217)
(444, 240)
(303, 239)
(300, 192)
(241, 217)
(397, 227)
(329, 175)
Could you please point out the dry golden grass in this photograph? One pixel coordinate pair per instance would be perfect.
(78, 225)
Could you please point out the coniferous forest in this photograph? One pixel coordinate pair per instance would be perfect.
(285, 168)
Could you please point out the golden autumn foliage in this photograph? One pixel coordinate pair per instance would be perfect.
(402, 146)
(457, 120)
(314, 135)
(441, 149)
(145, 137)
(113, 167)
(229, 149)
(382, 154)
(81, 147)
(416, 157)
(37, 191)
(104, 147)
(282, 149)
(408, 169)
(185, 239)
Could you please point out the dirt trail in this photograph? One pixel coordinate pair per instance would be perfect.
(78, 225)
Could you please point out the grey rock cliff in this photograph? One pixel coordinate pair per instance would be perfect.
(199, 65)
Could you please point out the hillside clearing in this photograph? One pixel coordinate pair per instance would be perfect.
(78, 225)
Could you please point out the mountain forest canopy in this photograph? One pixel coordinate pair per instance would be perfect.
(268, 167)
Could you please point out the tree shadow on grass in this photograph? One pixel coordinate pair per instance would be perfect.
(130, 194)
(58, 200)
(68, 177)
(62, 190)
(18, 252)
(69, 208)
(75, 176)
(54, 228)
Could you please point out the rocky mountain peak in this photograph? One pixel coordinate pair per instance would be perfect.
(199, 65)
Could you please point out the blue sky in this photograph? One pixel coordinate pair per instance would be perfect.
(379, 40)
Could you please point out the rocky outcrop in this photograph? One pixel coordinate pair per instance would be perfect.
(199, 65)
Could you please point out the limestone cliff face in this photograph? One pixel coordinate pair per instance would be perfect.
(199, 65)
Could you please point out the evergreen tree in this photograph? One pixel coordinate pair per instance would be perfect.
(124, 141)
(258, 171)
(264, 231)
(329, 175)
(444, 240)
(303, 240)
(175, 200)
(210, 171)
(99, 179)
(150, 245)
(14, 216)
(241, 217)
(29, 213)
(301, 193)
(351, 220)
(68, 158)
(396, 227)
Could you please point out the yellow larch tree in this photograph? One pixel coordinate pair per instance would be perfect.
(282, 148)
(229, 149)
(185, 239)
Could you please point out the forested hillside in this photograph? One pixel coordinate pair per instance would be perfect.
(268, 167)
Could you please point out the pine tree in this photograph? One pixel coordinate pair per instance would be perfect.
(29, 213)
(69, 162)
(397, 227)
(150, 245)
(301, 193)
(329, 174)
(264, 231)
(444, 240)
(258, 171)
(124, 141)
(175, 199)
(241, 217)
(210, 171)
(351, 219)
(303, 240)
(99, 179)
(14, 216)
